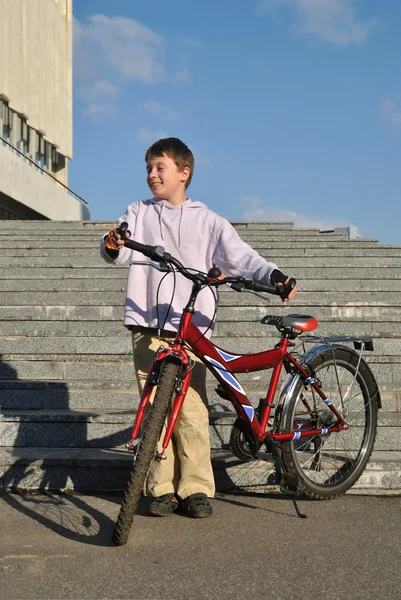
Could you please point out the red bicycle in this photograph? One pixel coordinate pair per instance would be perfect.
(320, 430)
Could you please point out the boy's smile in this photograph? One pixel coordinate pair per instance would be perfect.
(165, 180)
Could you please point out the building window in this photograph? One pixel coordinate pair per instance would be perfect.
(40, 151)
(24, 136)
(58, 161)
(6, 119)
(54, 159)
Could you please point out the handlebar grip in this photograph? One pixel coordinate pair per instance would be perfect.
(122, 230)
(155, 253)
(287, 288)
(258, 286)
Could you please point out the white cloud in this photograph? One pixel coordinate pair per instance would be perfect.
(182, 76)
(388, 111)
(256, 210)
(99, 112)
(164, 111)
(148, 137)
(123, 46)
(330, 20)
(99, 89)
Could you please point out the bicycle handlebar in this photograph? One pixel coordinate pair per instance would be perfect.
(255, 286)
(158, 254)
(155, 253)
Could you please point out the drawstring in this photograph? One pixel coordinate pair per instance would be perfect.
(179, 225)
(161, 221)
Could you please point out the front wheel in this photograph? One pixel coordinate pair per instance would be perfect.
(152, 430)
(328, 465)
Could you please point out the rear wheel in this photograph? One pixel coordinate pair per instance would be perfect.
(328, 465)
(152, 430)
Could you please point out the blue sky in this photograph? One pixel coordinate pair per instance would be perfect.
(291, 107)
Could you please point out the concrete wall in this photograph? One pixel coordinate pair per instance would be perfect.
(36, 65)
(22, 182)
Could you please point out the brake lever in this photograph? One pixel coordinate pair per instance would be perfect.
(237, 287)
(242, 288)
(161, 266)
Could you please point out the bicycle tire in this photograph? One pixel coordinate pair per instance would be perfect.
(152, 430)
(329, 465)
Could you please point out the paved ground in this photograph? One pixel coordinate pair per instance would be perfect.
(57, 547)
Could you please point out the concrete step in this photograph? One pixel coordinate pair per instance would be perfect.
(99, 314)
(96, 469)
(347, 313)
(301, 255)
(111, 429)
(109, 271)
(17, 394)
(89, 225)
(109, 367)
(121, 345)
(92, 233)
(382, 475)
(117, 297)
(62, 313)
(83, 349)
(85, 259)
(373, 327)
(291, 247)
(101, 284)
(262, 225)
(24, 225)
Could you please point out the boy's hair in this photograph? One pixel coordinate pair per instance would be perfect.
(177, 151)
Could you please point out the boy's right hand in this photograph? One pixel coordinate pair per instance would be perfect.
(291, 293)
(113, 240)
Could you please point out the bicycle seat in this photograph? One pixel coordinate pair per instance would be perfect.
(298, 322)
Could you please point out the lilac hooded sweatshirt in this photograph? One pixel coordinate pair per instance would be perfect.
(200, 239)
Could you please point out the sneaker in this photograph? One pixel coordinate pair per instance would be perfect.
(197, 506)
(162, 506)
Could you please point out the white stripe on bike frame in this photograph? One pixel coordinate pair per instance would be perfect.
(226, 375)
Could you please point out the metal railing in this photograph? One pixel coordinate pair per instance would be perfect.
(43, 170)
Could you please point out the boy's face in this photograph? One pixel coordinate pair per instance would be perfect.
(164, 178)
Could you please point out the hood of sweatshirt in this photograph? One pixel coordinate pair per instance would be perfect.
(179, 218)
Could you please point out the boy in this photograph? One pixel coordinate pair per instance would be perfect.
(200, 239)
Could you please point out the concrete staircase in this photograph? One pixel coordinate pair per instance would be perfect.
(67, 385)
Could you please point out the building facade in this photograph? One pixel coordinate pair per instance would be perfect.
(36, 111)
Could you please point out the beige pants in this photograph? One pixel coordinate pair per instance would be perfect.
(187, 469)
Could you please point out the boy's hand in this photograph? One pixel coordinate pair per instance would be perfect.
(113, 240)
(292, 292)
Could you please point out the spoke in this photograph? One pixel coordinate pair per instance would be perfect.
(329, 461)
(336, 452)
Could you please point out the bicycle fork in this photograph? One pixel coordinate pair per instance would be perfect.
(182, 384)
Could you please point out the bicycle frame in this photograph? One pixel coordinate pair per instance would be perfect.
(224, 365)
